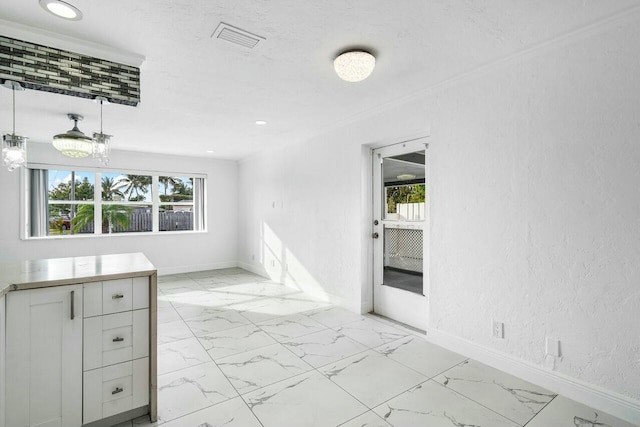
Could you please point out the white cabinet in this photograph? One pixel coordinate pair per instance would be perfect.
(43, 366)
(78, 341)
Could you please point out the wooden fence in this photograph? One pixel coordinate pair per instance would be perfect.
(143, 221)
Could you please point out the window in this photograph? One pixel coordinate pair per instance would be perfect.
(69, 202)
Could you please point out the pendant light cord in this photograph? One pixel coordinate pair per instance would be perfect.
(14, 109)
(101, 116)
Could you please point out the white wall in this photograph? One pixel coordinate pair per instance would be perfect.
(170, 253)
(535, 207)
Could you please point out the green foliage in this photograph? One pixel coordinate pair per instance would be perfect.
(112, 216)
(134, 187)
(110, 189)
(415, 193)
(181, 188)
(83, 190)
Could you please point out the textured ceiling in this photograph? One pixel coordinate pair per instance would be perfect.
(202, 94)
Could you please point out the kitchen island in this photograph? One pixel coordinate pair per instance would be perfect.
(78, 341)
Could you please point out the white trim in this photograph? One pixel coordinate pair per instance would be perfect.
(198, 267)
(94, 169)
(3, 346)
(591, 395)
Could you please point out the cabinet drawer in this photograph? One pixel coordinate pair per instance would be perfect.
(117, 296)
(115, 338)
(115, 389)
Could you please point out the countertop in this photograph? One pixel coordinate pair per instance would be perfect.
(42, 273)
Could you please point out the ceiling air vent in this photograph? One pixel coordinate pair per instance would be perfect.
(236, 35)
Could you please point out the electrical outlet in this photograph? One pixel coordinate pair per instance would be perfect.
(253, 257)
(498, 330)
(273, 263)
(552, 347)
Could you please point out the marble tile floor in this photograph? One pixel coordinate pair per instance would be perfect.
(237, 350)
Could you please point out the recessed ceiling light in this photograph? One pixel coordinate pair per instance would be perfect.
(354, 65)
(210, 151)
(62, 9)
(261, 122)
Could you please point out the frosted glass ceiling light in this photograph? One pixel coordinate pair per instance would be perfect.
(101, 142)
(61, 9)
(73, 143)
(354, 65)
(14, 147)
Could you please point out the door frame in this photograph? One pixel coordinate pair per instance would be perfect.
(410, 145)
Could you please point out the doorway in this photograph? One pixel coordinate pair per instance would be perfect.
(400, 232)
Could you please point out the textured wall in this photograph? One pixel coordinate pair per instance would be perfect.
(535, 201)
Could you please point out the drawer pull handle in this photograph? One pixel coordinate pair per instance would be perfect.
(117, 296)
(118, 339)
(117, 390)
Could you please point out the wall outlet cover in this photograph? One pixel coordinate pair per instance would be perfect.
(498, 330)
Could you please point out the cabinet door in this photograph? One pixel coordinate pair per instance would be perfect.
(44, 357)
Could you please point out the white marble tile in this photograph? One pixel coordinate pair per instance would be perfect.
(368, 419)
(323, 347)
(261, 309)
(372, 378)
(260, 367)
(565, 412)
(205, 320)
(167, 314)
(232, 413)
(370, 332)
(333, 316)
(181, 354)
(234, 341)
(259, 289)
(307, 400)
(192, 389)
(283, 328)
(173, 331)
(431, 404)
(509, 396)
(420, 355)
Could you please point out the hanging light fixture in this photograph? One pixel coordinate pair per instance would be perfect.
(73, 143)
(354, 65)
(14, 147)
(101, 142)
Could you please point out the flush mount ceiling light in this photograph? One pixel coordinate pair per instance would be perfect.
(14, 147)
(61, 9)
(406, 176)
(354, 65)
(101, 141)
(73, 143)
(261, 122)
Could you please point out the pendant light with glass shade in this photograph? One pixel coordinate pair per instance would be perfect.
(14, 147)
(73, 143)
(101, 141)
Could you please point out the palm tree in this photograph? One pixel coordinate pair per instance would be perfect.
(110, 189)
(168, 180)
(112, 215)
(134, 183)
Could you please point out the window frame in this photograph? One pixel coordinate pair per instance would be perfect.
(155, 201)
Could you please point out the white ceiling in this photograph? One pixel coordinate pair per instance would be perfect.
(202, 94)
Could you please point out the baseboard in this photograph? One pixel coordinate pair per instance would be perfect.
(192, 268)
(591, 395)
(255, 269)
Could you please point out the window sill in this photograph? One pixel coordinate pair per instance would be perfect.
(115, 235)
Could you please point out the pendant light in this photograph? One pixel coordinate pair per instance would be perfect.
(14, 147)
(73, 143)
(101, 141)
